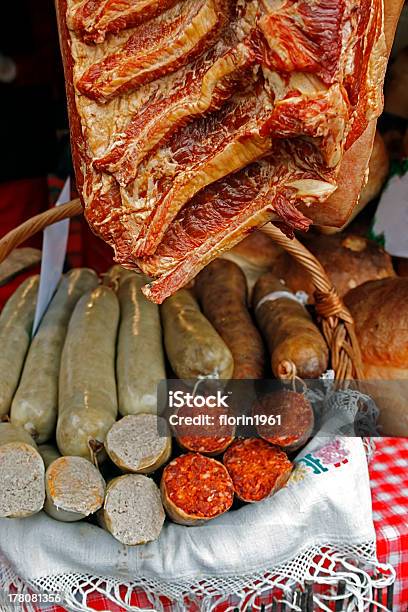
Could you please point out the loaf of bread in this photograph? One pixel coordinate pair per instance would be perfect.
(254, 255)
(257, 248)
(349, 261)
(380, 312)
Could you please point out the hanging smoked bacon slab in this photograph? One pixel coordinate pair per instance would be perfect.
(194, 122)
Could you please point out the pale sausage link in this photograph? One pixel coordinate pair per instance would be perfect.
(87, 386)
(193, 347)
(140, 360)
(16, 322)
(36, 400)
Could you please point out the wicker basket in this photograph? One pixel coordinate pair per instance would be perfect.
(335, 320)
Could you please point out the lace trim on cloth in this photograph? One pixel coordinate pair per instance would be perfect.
(324, 565)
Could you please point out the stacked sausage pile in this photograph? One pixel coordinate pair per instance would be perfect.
(101, 350)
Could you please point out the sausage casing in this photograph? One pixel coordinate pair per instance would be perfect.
(87, 387)
(258, 469)
(74, 489)
(140, 359)
(195, 489)
(295, 344)
(296, 416)
(35, 403)
(16, 322)
(49, 453)
(222, 291)
(139, 443)
(193, 347)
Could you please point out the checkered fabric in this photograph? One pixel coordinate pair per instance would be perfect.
(389, 488)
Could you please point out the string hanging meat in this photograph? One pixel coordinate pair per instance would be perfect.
(194, 122)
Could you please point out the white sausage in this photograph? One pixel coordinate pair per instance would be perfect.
(16, 322)
(87, 386)
(35, 403)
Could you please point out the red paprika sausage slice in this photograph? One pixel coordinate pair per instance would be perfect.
(211, 436)
(257, 469)
(296, 418)
(196, 489)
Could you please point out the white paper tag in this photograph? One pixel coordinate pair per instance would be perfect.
(391, 217)
(53, 257)
(300, 296)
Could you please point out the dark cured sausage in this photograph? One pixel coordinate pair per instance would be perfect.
(222, 290)
(257, 469)
(195, 489)
(296, 346)
(296, 419)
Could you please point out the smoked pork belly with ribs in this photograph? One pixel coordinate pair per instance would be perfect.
(195, 122)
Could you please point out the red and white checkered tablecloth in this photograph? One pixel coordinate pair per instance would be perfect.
(389, 489)
(389, 486)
